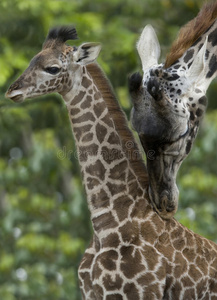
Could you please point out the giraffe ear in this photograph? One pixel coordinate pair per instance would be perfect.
(87, 53)
(148, 47)
(197, 71)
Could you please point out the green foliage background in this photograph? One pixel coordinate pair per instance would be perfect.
(44, 220)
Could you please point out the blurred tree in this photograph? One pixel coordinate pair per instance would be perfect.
(44, 224)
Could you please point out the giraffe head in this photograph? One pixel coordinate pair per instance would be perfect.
(56, 68)
(168, 104)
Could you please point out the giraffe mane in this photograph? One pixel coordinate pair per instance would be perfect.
(120, 122)
(60, 35)
(191, 32)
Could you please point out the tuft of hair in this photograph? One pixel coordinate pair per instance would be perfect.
(189, 33)
(61, 34)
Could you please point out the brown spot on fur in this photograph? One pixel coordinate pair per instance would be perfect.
(154, 292)
(42, 86)
(97, 96)
(98, 290)
(146, 280)
(119, 171)
(100, 199)
(176, 290)
(79, 131)
(87, 137)
(148, 232)
(90, 150)
(74, 111)
(131, 261)
(86, 82)
(179, 244)
(88, 282)
(190, 294)
(110, 155)
(86, 103)
(92, 183)
(99, 109)
(96, 170)
(104, 222)
(213, 286)
(161, 272)
(107, 120)
(110, 284)
(78, 98)
(130, 232)
(176, 233)
(139, 209)
(116, 188)
(52, 82)
(189, 254)
(151, 256)
(113, 138)
(134, 189)
(131, 291)
(187, 282)
(194, 273)
(189, 33)
(112, 240)
(180, 265)
(108, 260)
(202, 264)
(114, 297)
(100, 132)
(121, 206)
(84, 118)
(86, 261)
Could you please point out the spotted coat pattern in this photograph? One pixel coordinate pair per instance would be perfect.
(134, 254)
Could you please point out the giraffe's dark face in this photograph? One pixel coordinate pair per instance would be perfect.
(162, 121)
(166, 114)
(168, 105)
(159, 111)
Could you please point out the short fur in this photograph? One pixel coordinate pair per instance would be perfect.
(189, 34)
(120, 121)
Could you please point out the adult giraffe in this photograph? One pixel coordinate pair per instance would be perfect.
(134, 254)
(170, 101)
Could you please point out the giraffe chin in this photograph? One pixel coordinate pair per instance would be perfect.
(166, 207)
(16, 97)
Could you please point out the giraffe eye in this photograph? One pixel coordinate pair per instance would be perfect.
(52, 70)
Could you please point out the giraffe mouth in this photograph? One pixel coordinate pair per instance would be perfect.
(15, 96)
(18, 98)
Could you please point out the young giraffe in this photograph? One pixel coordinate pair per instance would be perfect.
(134, 254)
(170, 101)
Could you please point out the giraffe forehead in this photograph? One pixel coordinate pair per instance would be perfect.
(169, 75)
(51, 56)
(169, 80)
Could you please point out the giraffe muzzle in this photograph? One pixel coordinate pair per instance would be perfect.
(166, 203)
(15, 95)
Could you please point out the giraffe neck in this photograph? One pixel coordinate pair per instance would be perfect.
(113, 173)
